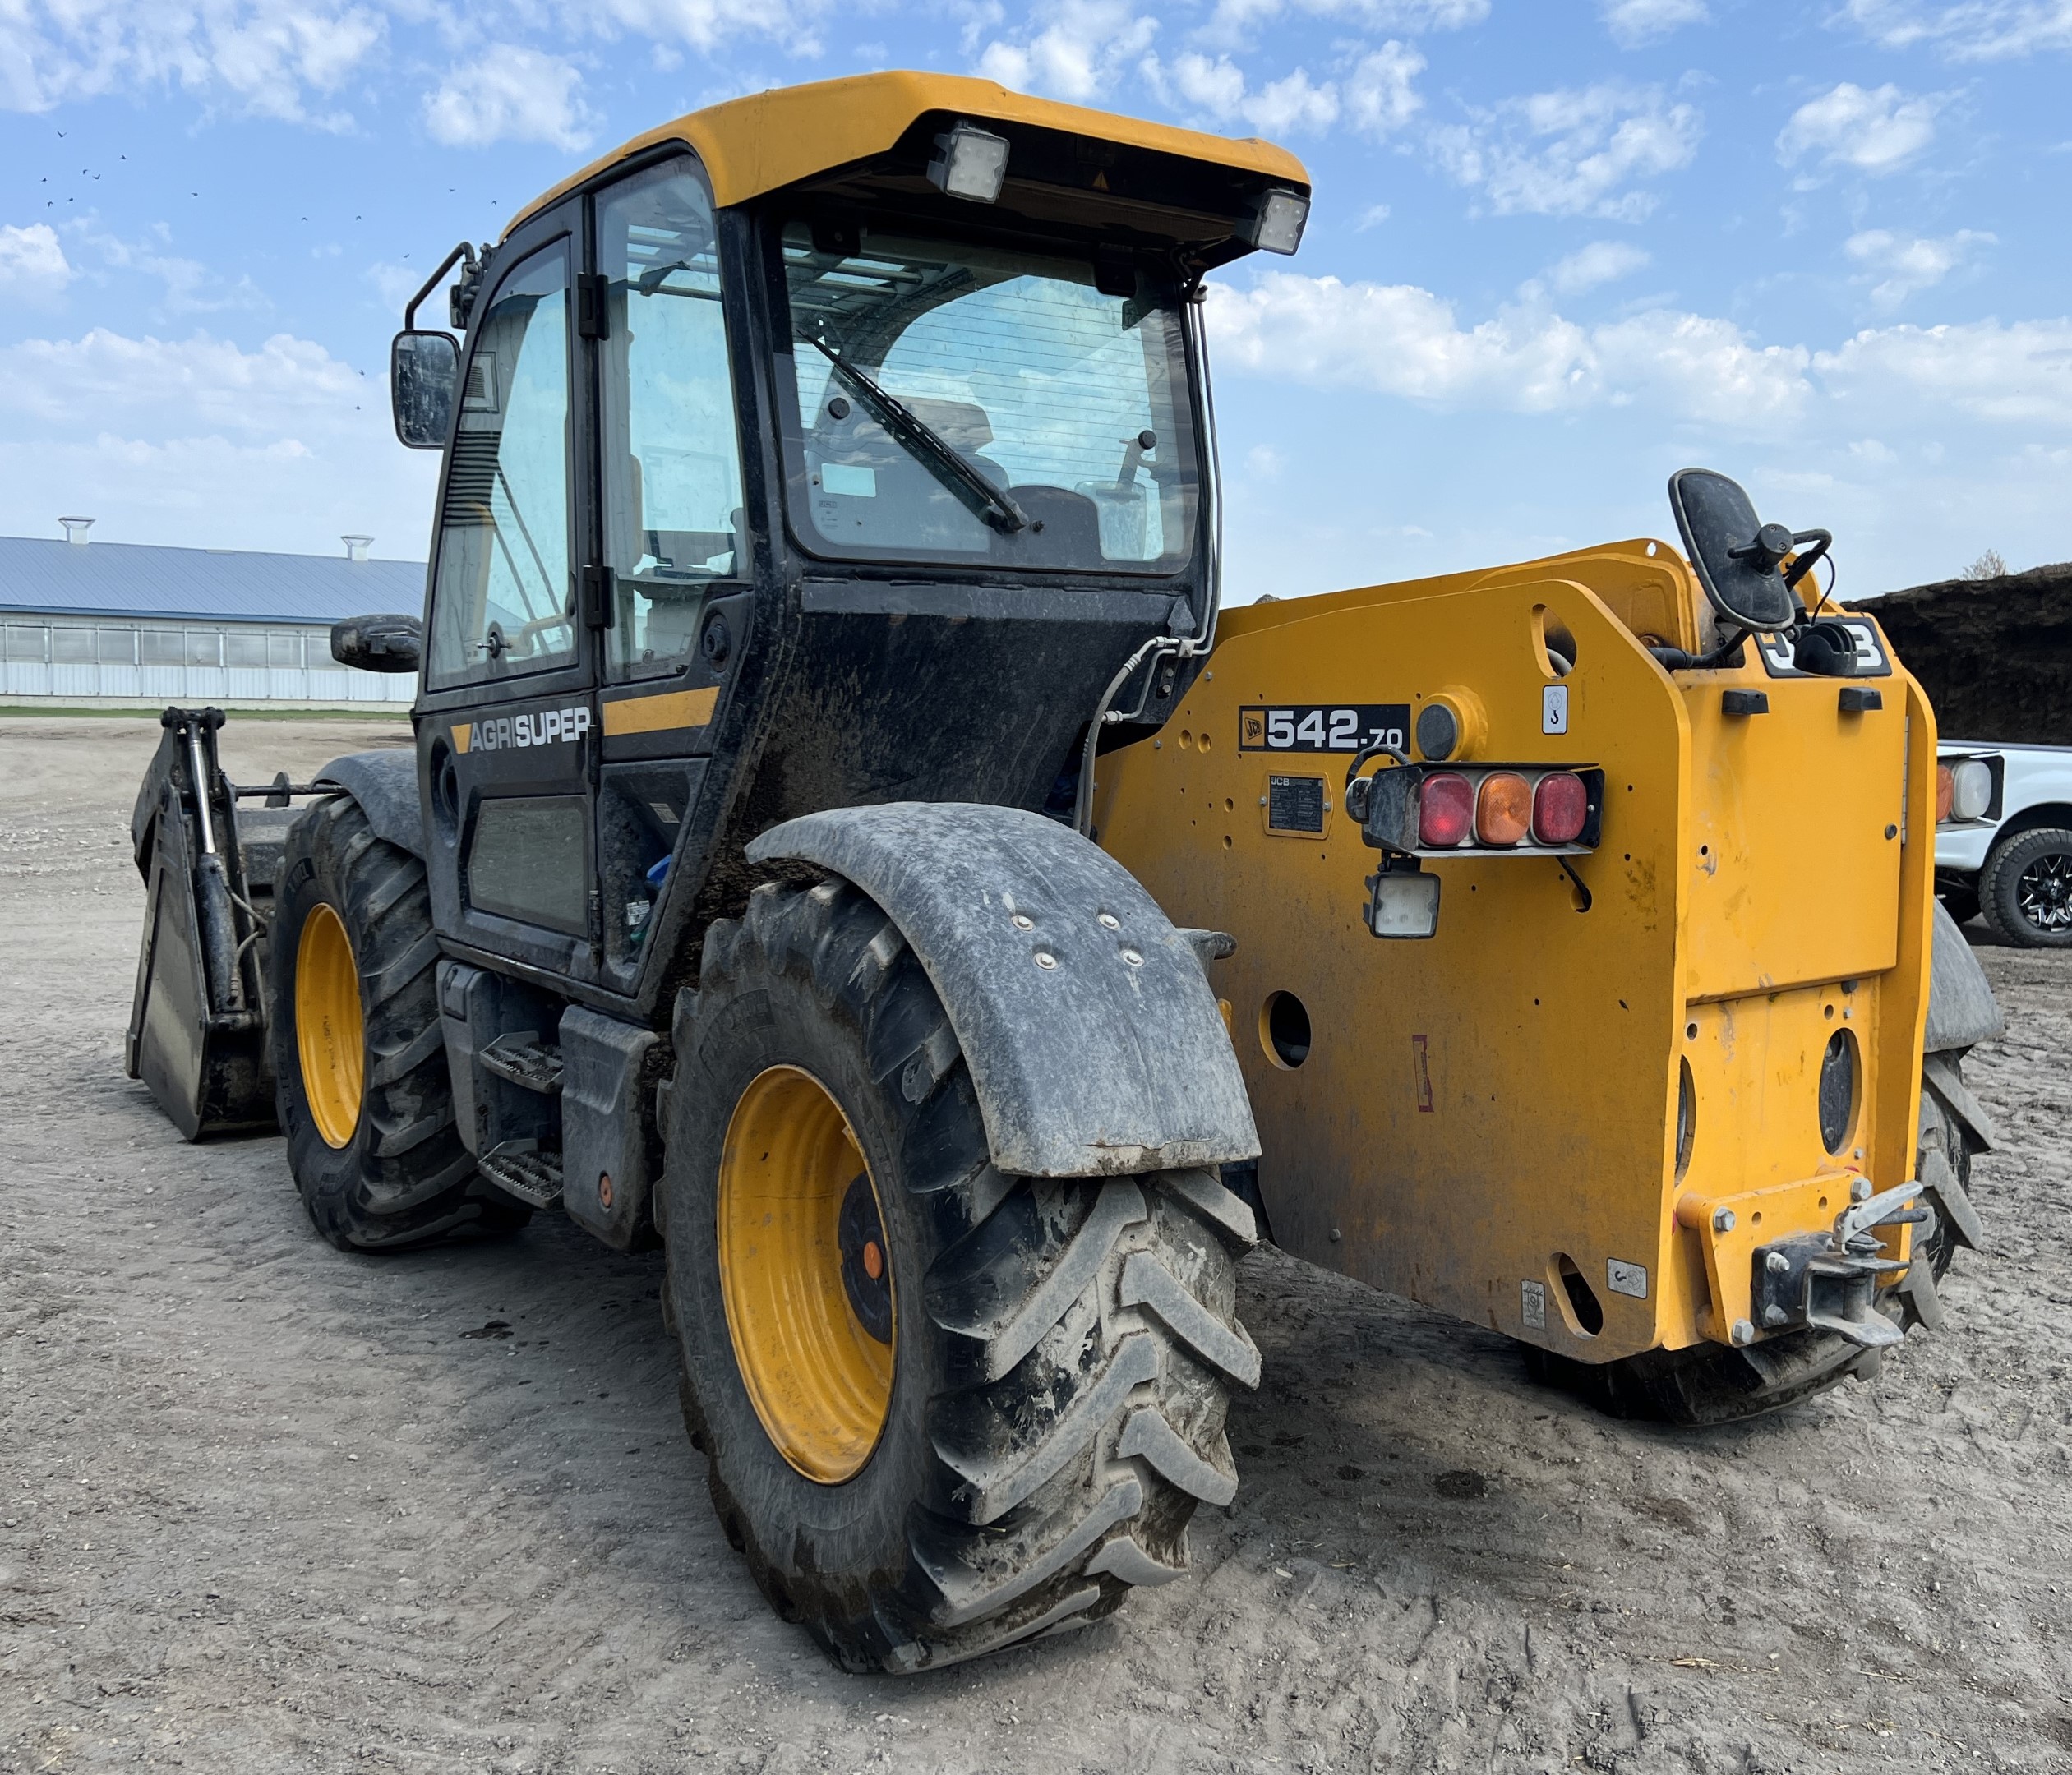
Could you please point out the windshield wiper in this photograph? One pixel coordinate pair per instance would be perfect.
(928, 447)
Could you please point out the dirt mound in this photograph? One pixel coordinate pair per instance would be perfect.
(1995, 655)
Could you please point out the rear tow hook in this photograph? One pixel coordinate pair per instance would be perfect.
(1829, 1282)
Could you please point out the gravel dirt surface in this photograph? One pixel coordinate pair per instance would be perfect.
(265, 1506)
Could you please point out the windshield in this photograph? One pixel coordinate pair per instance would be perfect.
(928, 372)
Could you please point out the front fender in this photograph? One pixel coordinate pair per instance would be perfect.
(385, 786)
(1088, 1063)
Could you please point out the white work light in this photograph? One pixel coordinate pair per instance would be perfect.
(1278, 226)
(972, 162)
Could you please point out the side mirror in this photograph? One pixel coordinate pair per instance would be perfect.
(424, 371)
(379, 643)
(1733, 551)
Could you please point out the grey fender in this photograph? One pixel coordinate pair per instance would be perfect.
(1962, 1009)
(1085, 1062)
(385, 786)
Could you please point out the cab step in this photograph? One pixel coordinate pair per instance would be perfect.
(526, 1061)
(533, 1177)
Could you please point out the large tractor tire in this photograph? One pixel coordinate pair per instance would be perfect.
(1712, 1384)
(2025, 889)
(944, 1410)
(359, 1059)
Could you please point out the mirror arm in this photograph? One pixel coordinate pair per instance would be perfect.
(1802, 565)
(463, 252)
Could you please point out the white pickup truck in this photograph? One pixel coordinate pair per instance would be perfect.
(2004, 839)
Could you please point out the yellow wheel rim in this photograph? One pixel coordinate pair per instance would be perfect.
(329, 1035)
(797, 1203)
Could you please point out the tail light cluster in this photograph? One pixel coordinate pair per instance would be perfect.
(1528, 809)
(1967, 789)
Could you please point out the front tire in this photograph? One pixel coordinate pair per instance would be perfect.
(2025, 889)
(1045, 1408)
(359, 1059)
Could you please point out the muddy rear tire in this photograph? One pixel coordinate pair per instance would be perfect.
(359, 1060)
(1056, 1354)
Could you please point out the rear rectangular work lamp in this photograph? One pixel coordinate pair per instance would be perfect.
(971, 163)
(1277, 226)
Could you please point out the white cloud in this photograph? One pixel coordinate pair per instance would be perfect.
(1904, 263)
(1379, 92)
(1571, 152)
(199, 441)
(1878, 131)
(1398, 339)
(33, 266)
(1600, 262)
(1078, 53)
(1634, 22)
(2018, 373)
(509, 93)
(1972, 31)
(706, 24)
(1234, 23)
(189, 287)
(268, 58)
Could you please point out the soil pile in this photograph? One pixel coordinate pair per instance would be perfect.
(1995, 655)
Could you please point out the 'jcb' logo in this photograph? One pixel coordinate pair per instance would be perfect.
(546, 727)
(1253, 736)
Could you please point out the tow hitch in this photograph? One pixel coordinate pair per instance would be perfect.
(1829, 1281)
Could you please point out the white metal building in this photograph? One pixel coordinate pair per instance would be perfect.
(121, 621)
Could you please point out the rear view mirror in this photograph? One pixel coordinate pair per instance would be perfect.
(378, 643)
(424, 369)
(1733, 551)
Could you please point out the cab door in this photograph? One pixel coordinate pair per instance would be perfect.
(674, 535)
(507, 722)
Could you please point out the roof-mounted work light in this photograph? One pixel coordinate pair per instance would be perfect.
(1278, 225)
(971, 163)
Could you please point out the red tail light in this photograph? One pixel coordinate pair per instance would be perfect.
(1560, 807)
(1445, 810)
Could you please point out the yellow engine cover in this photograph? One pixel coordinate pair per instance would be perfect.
(1488, 1121)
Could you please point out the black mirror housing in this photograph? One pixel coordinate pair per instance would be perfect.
(388, 644)
(1732, 552)
(424, 373)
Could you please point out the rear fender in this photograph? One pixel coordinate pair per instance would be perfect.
(1086, 1062)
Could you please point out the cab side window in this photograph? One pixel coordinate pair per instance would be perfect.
(504, 603)
(673, 523)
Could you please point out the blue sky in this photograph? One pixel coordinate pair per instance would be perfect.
(1559, 248)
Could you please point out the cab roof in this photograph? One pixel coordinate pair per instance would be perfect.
(771, 140)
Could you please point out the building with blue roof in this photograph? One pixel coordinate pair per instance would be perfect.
(98, 622)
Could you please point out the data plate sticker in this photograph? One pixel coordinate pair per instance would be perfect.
(1871, 661)
(1295, 804)
(1322, 727)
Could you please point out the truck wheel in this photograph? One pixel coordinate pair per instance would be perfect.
(2025, 888)
(359, 1059)
(1711, 1384)
(944, 1410)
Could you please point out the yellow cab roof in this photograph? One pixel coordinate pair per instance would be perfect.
(773, 138)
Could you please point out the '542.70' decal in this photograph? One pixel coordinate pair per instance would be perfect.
(1322, 727)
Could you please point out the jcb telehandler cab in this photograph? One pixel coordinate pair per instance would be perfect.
(829, 479)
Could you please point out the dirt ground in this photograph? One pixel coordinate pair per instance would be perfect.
(264, 1506)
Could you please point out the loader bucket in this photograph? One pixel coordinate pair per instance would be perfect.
(197, 1031)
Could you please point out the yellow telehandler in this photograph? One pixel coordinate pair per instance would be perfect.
(828, 498)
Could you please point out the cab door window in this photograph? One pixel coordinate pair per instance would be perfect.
(503, 601)
(673, 523)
